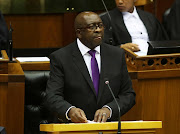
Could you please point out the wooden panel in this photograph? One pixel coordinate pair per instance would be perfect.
(3, 100)
(4, 62)
(161, 102)
(150, 7)
(161, 7)
(12, 106)
(4, 54)
(27, 66)
(36, 31)
(158, 99)
(15, 106)
(143, 2)
(157, 88)
(69, 31)
(12, 98)
(136, 111)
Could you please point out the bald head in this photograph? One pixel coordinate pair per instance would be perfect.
(83, 18)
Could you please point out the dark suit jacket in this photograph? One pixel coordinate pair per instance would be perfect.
(70, 82)
(120, 34)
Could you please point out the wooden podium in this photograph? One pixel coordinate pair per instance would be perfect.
(139, 127)
(11, 95)
(156, 81)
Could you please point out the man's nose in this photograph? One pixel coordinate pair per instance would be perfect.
(120, 1)
(98, 29)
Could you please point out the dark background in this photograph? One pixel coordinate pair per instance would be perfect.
(52, 6)
(50, 23)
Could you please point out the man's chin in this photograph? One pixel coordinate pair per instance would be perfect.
(97, 43)
(121, 9)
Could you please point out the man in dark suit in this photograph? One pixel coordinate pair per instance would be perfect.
(131, 26)
(76, 89)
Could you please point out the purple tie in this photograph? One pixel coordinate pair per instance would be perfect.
(95, 70)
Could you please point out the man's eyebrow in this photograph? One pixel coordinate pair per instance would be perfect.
(95, 23)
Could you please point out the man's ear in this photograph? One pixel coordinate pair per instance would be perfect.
(78, 33)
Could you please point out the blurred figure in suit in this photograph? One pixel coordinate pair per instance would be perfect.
(171, 21)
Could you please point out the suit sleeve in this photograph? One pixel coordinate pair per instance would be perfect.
(154, 28)
(55, 88)
(126, 96)
(161, 33)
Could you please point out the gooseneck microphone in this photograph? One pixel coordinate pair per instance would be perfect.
(10, 44)
(119, 120)
(110, 28)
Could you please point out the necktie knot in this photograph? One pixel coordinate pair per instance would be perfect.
(92, 53)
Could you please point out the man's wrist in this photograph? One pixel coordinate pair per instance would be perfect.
(106, 106)
(68, 112)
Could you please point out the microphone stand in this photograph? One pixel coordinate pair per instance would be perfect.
(119, 120)
(10, 44)
(110, 28)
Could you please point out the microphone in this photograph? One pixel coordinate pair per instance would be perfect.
(110, 28)
(119, 120)
(10, 44)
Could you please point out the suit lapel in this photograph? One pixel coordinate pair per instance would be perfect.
(145, 20)
(79, 61)
(119, 22)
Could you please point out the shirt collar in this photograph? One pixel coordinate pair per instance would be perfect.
(127, 15)
(84, 49)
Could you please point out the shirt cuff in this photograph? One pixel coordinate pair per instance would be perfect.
(109, 109)
(68, 111)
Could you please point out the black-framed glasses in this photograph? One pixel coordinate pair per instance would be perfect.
(94, 26)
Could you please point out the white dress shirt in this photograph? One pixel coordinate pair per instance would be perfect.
(137, 30)
(87, 57)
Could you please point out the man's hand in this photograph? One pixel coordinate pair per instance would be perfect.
(102, 115)
(77, 115)
(131, 46)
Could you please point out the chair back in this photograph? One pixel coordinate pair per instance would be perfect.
(2, 130)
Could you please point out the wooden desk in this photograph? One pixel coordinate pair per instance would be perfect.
(29, 66)
(142, 127)
(156, 81)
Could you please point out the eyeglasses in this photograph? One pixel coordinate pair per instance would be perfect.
(93, 26)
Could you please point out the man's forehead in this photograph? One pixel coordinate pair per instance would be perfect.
(92, 18)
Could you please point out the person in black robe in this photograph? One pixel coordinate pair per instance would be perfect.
(119, 32)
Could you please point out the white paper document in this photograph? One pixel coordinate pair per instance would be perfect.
(91, 121)
(114, 121)
(143, 46)
(32, 59)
